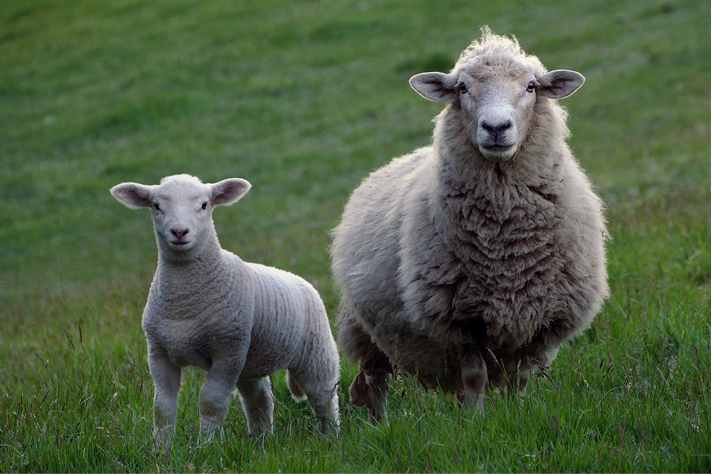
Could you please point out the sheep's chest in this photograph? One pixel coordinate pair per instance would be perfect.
(514, 274)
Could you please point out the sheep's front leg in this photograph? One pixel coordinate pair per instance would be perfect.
(166, 381)
(258, 404)
(517, 378)
(215, 396)
(474, 378)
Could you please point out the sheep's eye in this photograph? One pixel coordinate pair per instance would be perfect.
(530, 87)
(156, 207)
(463, 88)
(205, 205)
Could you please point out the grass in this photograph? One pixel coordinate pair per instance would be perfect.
(304, 99)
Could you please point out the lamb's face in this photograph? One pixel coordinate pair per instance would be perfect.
(495, 99)
(182, 214)
(182, 209)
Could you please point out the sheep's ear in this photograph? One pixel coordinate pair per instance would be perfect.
(560, 83)
(438, 87)
(133, 195)
(229, 191)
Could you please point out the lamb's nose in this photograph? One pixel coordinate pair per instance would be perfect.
(497, 128)
(179, 233)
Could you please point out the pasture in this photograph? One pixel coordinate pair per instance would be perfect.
(304, 99)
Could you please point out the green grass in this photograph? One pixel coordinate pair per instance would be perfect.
(303, 99)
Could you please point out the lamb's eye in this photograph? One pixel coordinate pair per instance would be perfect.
(205, 205)
(156, 207)
(531, 87)
(463, 88)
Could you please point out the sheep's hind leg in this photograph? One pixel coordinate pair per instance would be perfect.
(370, 388)
(474, 379)
(258, 404)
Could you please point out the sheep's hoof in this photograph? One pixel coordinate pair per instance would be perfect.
(475, 402)
(361, 392)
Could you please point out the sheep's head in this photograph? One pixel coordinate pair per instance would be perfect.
(182, 209)
(494, 88)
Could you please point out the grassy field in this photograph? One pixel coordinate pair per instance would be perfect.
(304, 99)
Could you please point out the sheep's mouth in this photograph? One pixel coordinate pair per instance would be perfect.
(179, 244)
(498, 153)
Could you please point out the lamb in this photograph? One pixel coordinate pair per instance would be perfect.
(238, 321)
(474, 259)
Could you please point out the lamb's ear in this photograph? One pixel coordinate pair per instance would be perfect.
(560, 83)
(438, 87)
(228, 191)
(133, 195)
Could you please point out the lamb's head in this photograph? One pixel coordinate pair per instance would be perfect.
(182, 208)
(493, 90)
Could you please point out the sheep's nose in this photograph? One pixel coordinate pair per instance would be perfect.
(496, 129)
(179, 233)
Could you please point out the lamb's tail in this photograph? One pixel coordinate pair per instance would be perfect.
(294, 388)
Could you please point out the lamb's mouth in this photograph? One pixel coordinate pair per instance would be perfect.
(179, 244)
(498, 153)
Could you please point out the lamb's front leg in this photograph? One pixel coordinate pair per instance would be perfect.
(215, 396)
(166, 381)
(474, 378)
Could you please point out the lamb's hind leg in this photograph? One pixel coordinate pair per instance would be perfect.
(325, 402)
(320, 388)
(474, 378)
(258, 404)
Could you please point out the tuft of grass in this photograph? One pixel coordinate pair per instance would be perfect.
(304, 100)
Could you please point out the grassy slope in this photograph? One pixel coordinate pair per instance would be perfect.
(304, 100)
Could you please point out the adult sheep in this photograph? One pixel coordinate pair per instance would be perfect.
(238, 321)
(473, 259)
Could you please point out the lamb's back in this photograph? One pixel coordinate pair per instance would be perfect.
(289, 317)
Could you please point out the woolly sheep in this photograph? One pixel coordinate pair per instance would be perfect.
(238, 321)
(475, 258)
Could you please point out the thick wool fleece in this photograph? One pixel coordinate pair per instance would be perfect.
(443, 254)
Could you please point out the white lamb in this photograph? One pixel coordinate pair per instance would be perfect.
(475, 258)
(238, 321)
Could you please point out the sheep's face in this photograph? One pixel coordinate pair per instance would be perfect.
(496, 100)
(182, 209)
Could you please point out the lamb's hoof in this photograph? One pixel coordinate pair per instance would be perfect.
(161, 446)
(361, 392)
